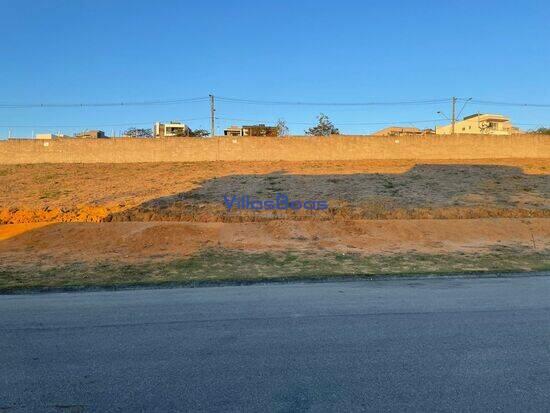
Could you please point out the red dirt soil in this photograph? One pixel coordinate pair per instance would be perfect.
(56, 244)
(194, 191)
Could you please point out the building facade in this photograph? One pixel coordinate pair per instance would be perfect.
(251, 130)
(45, 136)
(170, 130)
(233, 131)
(489, 124)
(397, 131)
(91, 134)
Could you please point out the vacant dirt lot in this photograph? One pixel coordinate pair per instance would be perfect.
(194, 191)
(104, 224)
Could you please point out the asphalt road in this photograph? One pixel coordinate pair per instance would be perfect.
(388, 345)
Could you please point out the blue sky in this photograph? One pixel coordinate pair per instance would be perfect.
(54, 51)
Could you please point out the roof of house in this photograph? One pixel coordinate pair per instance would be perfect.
(402, 129)
(91, 131)
(486, 116)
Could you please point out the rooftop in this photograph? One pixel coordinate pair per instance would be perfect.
(486, 116)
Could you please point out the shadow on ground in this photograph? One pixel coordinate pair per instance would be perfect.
(425, 191)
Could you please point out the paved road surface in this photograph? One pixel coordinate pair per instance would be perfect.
(393, 345)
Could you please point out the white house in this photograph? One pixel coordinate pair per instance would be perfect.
(490, 124)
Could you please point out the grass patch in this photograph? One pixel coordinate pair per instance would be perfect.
(52, 194)
(222, 266)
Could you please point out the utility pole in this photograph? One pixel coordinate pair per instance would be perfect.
(453, 116)
(212, 111)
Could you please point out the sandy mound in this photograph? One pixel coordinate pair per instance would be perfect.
(54, 244)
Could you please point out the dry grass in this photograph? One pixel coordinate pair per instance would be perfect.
(219, 266)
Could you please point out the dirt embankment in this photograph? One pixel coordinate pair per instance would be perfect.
(131, 242)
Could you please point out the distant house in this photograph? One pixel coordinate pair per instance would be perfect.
(45, 136)
(251, 130)
(170, 130)
(91, 134)
(490, 124)
(233, 131)
(50, 136)
(398, 131)
(260, 130)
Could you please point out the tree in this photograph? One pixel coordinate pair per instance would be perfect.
(282, 128)
(324, 127)
(139, 133)
(180, 132)
(542, 131)
(201, 133)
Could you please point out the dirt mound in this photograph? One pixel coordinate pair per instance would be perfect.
(55, 244)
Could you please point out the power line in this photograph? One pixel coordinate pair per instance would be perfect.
(231, 100)
(95, 124)
(337, 123)
(298, 103)
(248, 120)
(496, 103)
(263, 102)
(101, 104)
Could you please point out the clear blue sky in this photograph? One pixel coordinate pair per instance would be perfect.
(55, 51)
